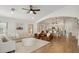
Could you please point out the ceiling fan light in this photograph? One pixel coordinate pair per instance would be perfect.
(31, 12)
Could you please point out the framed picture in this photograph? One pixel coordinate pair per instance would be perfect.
(19, 26)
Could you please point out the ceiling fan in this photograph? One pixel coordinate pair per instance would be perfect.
(31, 9)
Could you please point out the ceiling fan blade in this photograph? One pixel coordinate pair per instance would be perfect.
(25, 9)
(34, 12)
(36, 9)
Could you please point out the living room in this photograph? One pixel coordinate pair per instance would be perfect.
(22, 25)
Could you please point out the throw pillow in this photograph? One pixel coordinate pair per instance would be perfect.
(4, 39)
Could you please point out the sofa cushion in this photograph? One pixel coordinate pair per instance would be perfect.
(4, 39)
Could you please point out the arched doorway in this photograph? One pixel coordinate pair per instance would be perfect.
(62, 24)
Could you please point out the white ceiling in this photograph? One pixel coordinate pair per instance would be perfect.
(5, 10)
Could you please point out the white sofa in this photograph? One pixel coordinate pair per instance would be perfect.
(7, 46)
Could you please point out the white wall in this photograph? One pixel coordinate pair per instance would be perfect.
(72, 11)
(12, 24)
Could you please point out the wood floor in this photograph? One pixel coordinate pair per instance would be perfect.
(57, 47)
